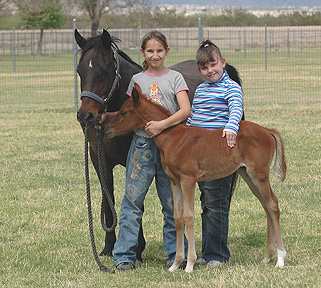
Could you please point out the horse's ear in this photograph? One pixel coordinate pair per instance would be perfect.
(135, 93)
(81, 41)
(105, 39)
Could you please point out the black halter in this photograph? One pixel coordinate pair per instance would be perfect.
(103, 101)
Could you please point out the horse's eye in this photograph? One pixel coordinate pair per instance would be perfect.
(123, 113)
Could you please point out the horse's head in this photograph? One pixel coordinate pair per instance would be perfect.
(97, 71)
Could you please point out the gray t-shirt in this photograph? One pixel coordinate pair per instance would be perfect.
(162, 89)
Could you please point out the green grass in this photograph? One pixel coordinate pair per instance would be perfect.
(44, 238)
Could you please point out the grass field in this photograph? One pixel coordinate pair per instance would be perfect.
(44, 238)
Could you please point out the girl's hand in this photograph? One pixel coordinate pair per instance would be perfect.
(153, 128)
(230, 138)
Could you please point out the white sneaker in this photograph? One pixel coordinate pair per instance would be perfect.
(214, 263)
(200, 261)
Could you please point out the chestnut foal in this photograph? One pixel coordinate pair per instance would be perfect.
(192, 154)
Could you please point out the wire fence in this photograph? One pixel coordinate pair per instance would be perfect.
(278, 65)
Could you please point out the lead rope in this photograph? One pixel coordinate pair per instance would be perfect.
(90, 219)
(105, 192)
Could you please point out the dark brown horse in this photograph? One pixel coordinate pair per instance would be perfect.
(193, 154)
(105, 72)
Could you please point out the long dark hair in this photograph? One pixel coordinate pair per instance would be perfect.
(159, 36)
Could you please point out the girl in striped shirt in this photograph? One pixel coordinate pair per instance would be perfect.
(218, 102)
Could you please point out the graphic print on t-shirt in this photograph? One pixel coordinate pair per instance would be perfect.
(155, 94)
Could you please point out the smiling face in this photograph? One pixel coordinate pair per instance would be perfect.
(155, 54)
(213, 70)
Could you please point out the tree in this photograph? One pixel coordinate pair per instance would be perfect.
(4, 4)
(96, 8)
(43, 14)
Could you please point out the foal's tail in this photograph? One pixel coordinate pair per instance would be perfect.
(280, 161)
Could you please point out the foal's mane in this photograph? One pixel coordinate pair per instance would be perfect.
(156, 106)
(95, 42)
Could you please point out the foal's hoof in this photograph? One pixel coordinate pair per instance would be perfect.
(173, 268)
(281, 258)
(266, 260)
(189, 268)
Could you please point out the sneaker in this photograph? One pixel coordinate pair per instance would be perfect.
(200, 261)
(214, 263)
(125, 266)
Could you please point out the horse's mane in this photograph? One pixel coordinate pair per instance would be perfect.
(95, 42)
(126, 57)
(158, 106)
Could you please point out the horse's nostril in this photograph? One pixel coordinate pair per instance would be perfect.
(89, 117)
(86, 119)
(78, 116)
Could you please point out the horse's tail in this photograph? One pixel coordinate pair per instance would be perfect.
(280, 161)
(233, 73)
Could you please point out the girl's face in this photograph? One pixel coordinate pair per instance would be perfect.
(213, 70)
(154, 54)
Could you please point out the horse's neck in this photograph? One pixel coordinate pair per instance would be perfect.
(151, 112)
(167, 137)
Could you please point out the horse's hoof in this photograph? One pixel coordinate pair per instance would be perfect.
(281, 258)
(173, 268)
(106, 252)
(266, 260)
(189, 269)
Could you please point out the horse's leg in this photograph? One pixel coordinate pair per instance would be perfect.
(260, 186)
(179, 223)
(110, 237)
(271, 249)
(188, 190)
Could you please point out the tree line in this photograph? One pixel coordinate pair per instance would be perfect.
(229, 17)
(47, 14)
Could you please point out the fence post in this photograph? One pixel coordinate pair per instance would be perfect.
(139, 36)
(288, 43)
(265, 47)
(200, 31)
(244, 43)
(75, 66)
(14, 49)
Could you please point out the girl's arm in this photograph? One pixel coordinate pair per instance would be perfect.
(153, 128)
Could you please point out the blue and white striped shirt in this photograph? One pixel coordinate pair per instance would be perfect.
(217, 104)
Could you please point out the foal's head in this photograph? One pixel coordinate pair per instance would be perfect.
(135, 113)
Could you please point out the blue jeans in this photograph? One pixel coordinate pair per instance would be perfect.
(143, 164)
(215, 218)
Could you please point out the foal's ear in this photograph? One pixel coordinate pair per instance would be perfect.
(105, 39)
(135, 95)
(136, 92)
(81, 41)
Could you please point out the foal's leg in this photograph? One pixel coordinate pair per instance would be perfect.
(188, 191)
(271, 249)
(274, 211)
(179, 223)
(262, 190)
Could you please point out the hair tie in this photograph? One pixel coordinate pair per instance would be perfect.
(206, 45)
